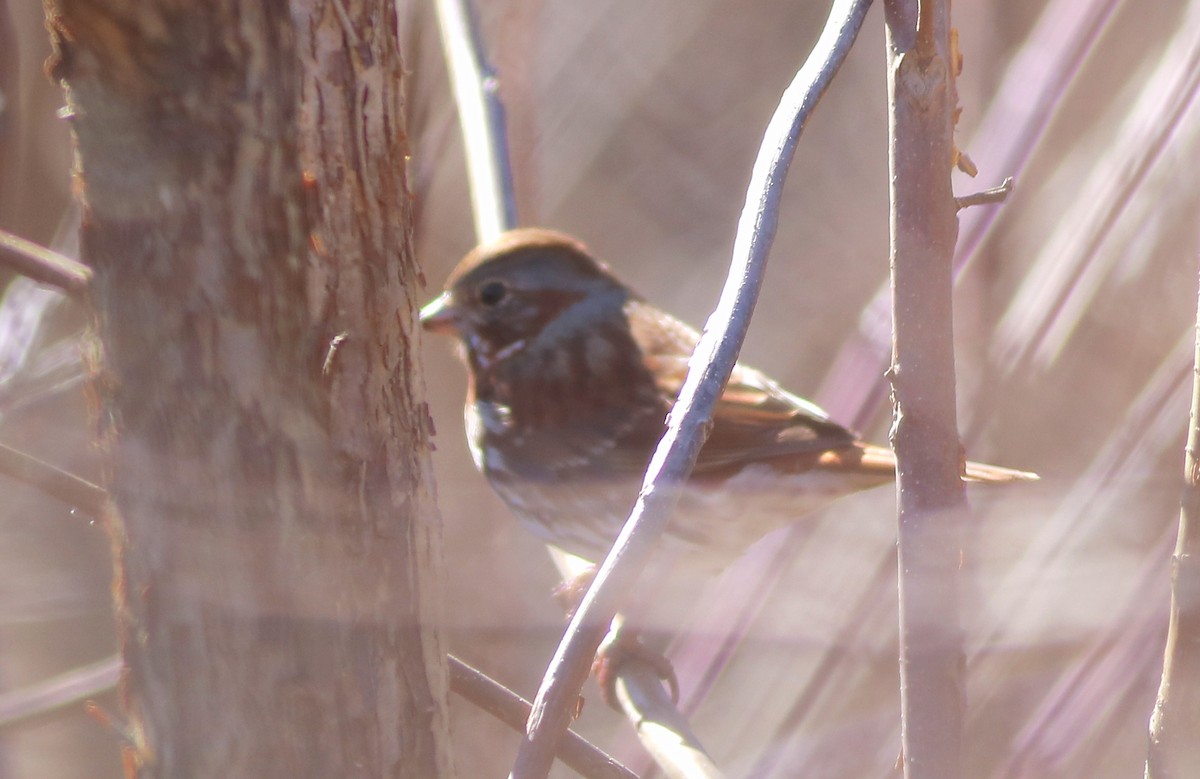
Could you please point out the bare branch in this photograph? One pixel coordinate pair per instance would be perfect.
(1008, 135)
(1042, 315)
(481, 117)
(55, 482)
(20, 706)
(511, 709)
(922, 99)
(662, 729)
(994, 195)
(1174, 750)
(708, 371)
(44, 265)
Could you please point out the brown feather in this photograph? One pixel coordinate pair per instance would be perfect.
(868, 458)
(572, 376)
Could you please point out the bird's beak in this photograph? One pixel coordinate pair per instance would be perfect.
(439, 315)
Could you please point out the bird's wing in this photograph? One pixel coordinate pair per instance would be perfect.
(754, 418)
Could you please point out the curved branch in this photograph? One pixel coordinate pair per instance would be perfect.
(662, 729)
(708, 371)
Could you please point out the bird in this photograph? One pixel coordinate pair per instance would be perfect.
(570, 377)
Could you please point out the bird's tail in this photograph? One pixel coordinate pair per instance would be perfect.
(882, 459)
(996, 474)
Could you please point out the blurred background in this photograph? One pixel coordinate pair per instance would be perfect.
(634, 126)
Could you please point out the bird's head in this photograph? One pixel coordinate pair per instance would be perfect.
(529, 289)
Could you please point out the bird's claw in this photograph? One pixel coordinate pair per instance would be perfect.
(621, 647)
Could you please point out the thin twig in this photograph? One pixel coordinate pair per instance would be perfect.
(656, 717)
(708, 370)
(55, 482)
(994, 195)
(28, 703)
(1120, 653)
(511, 709)
(43, 265)
(20, 706)
(1174, 750)
(1041, 72)
(662, 729)
(1059, 289)
(481, 118)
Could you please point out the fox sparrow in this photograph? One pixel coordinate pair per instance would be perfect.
(571, 375)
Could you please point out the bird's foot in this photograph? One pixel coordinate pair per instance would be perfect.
(624, 646)
(621, 645)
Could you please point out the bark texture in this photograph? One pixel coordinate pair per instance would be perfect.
(277, 581)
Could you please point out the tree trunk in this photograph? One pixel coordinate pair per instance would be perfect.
(276, 542)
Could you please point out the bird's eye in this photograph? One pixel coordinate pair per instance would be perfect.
(493, 292)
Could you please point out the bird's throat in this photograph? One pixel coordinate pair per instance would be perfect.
(565, 383)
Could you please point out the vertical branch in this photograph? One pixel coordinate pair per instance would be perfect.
(481, 118)
(1174, 749)
(924, 434)
(518, 38)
